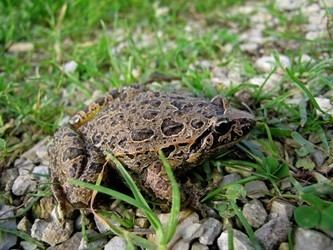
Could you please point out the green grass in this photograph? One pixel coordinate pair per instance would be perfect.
(117, 43)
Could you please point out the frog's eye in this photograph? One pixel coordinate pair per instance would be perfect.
(222, 126)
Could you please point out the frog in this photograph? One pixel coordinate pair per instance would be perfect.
(135, 123)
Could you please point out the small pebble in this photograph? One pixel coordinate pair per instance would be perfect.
(289, 4)
(69, 67)
(240, 240)
(142, 222)
(182, 226)
(96, 244)
(51, 232)
(7, 240)
(275, 231)
(70, 244)
(199, 246)
(255, 213)
(7, 178)
(211, 229)
(266, 64)
(282, 208)
(24, 184)
(306, 239)
(21, 47)
(116, 243)
(24, 225)
(181, 245)
(27, 245)
(230, 178)
(256, 189)
(192, 232)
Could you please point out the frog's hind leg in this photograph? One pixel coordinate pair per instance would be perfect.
(69, 158)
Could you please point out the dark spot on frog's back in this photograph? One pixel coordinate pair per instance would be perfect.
(150, 114)
(155, 103)
(72, 153)
(170, 127)
(168, 150)
(181, 105)
(141, 134)
(97, 138)
(196, 123)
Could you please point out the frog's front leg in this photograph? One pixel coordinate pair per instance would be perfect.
(69, 158)
(154, 179)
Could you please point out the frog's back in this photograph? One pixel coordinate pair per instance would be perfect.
(144, 122)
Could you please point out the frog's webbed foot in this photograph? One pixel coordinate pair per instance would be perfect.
(193, 194)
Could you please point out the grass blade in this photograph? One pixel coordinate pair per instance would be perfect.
(307, 92)
(108, 191)
(137, 194)
(175, 208)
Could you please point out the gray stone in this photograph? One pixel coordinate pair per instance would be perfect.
(27, 245)
(306, 239)
(96, 244)
(25, 167)
(101, 224)
(70, 244)
(266, 64)
(7, 178)
(289, 4)
(285, 184)
(142, 222)
(24, 184)
(181, 245)
(319, 158)
(256, 189)
(31, 154)
(41, 171)
(41, 152)
(230, 178)
(271, 234)
(240, 240)
(21, 47)
(199, 246)
(69, 67)
(284, 246)
(282, 208)
(42, 174)
(250, 47)
(255, 213)
(192, 232)
(187, 222)
(24, 225)
(211, 229)
(116, 243)
(51, 232)
(183, 215)
(6, 214)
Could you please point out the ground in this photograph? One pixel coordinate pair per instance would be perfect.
(273, 58)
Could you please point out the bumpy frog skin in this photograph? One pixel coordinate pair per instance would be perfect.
(134, 123)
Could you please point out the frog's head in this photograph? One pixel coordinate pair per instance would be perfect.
(231, 126)
(227, 126)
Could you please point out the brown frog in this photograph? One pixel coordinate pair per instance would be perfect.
(134, 123)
